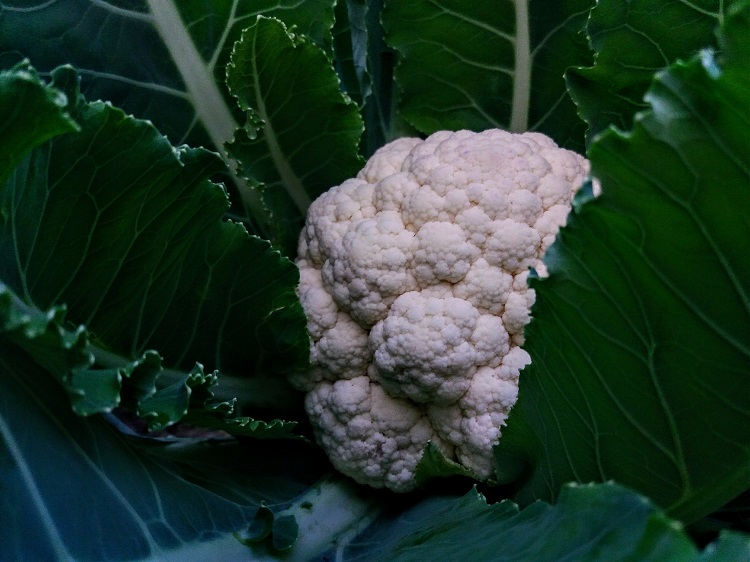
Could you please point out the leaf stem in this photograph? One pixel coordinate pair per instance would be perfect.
(519, 117)
(208, 100)
(203, 91)
(330, 515)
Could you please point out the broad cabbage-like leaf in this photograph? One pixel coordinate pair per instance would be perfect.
(639, 339)
(75, 487)
(633, 40)
(160, 60)
(588, 523)
(126, 231)
(476, 65)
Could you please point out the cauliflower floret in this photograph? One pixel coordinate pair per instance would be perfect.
(414, 279)
(443, 254)
(370, 266)
(485, 286)
(472, 425)
(517, 311)
(512, 246)
(423, 349)
(387, 160)
(428, 347)
(320, 308)
(331, 216)
(371, 436)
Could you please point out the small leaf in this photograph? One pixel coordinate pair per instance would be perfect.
(350, 42)
(433, 464)
(365, 64)
(282, 530)
(285, 532)
(96, 390)
(261, 525)
(729, 547)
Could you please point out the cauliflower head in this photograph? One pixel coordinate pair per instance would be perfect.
(413, 278)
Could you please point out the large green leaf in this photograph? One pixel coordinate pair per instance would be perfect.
(162, 60)
(482, 64)
(639, 340)
(632, 40)
(126, 231)
(588, 523)
(76, 489)
(302, 133)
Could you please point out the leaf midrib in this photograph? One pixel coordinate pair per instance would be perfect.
(288, 177)
(204, 93)
(209, 103)
(519, 116)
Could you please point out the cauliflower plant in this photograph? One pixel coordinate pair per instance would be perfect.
(414, 283)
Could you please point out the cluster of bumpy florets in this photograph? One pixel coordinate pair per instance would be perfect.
(414, 283)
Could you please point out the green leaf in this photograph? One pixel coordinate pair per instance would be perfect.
(69, 358)
(302, 133)
(350, 43)
(260, 526)
(729, 547)
(89, 223)
(588, 523)
(639, 339)
(55, 464)
(131, 498)
(92, 388)
(483, 64)
(365, 65)
(632, 40)
(433, 464)
(76, 489)
(31, 113)
(127, 232)
(282, 530)
(327, 515)
(160, 60)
